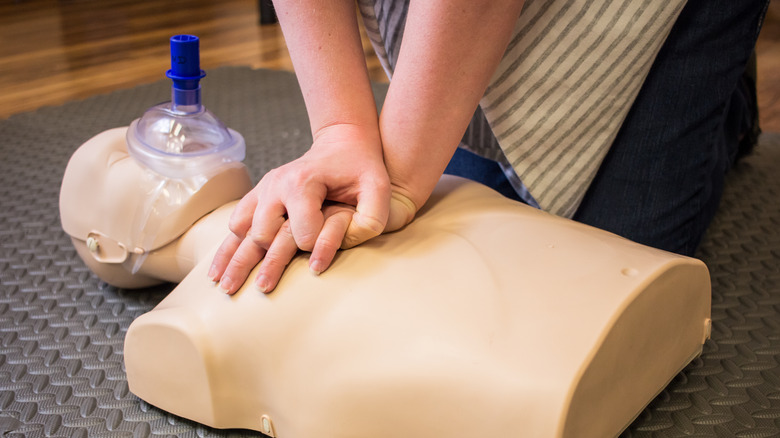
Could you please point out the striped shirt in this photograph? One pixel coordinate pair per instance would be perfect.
(560, 93)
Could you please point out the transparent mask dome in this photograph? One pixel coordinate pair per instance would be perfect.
(179, 144)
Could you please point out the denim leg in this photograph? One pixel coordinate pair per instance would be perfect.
(469, 165)
(662, 180)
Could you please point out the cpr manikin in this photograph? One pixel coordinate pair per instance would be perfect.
(482, 317)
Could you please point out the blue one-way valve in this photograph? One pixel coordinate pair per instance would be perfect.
(185, 72)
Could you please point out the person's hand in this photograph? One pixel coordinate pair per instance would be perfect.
(286, 212)
(243, 253)
(283, 248)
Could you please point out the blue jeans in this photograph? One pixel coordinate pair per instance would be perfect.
(662, 180)
(482, 170)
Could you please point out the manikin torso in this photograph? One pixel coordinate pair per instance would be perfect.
(483, 317)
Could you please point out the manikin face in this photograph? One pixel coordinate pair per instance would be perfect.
(118, 213)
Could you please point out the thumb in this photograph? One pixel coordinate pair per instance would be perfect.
(369, 219)
(361, 229)
(402, 211)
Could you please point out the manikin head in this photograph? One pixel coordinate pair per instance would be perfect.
(117, 211)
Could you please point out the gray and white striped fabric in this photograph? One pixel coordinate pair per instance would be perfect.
(563, 88)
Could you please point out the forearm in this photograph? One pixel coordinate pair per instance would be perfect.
(450, 50)
(324, 44)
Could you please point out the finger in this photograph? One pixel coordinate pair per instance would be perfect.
(369, 219)
(222, 257)
(282, 250)
(330, 238)
(245, 258)
(268, 219)
(306, 220)
(241, 218)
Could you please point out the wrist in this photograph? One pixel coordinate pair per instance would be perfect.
(362, 133)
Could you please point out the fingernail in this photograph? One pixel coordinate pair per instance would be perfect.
(213, 273)
(316, 267)
(262, 284)
(225, 284)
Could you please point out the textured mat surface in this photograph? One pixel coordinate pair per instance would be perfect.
(62, 330)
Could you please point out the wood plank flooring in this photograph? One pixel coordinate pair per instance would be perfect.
(54, 51)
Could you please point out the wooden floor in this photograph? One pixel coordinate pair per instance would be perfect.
(55, 51)
(768, 53)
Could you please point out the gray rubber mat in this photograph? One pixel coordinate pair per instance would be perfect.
(62, 330)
